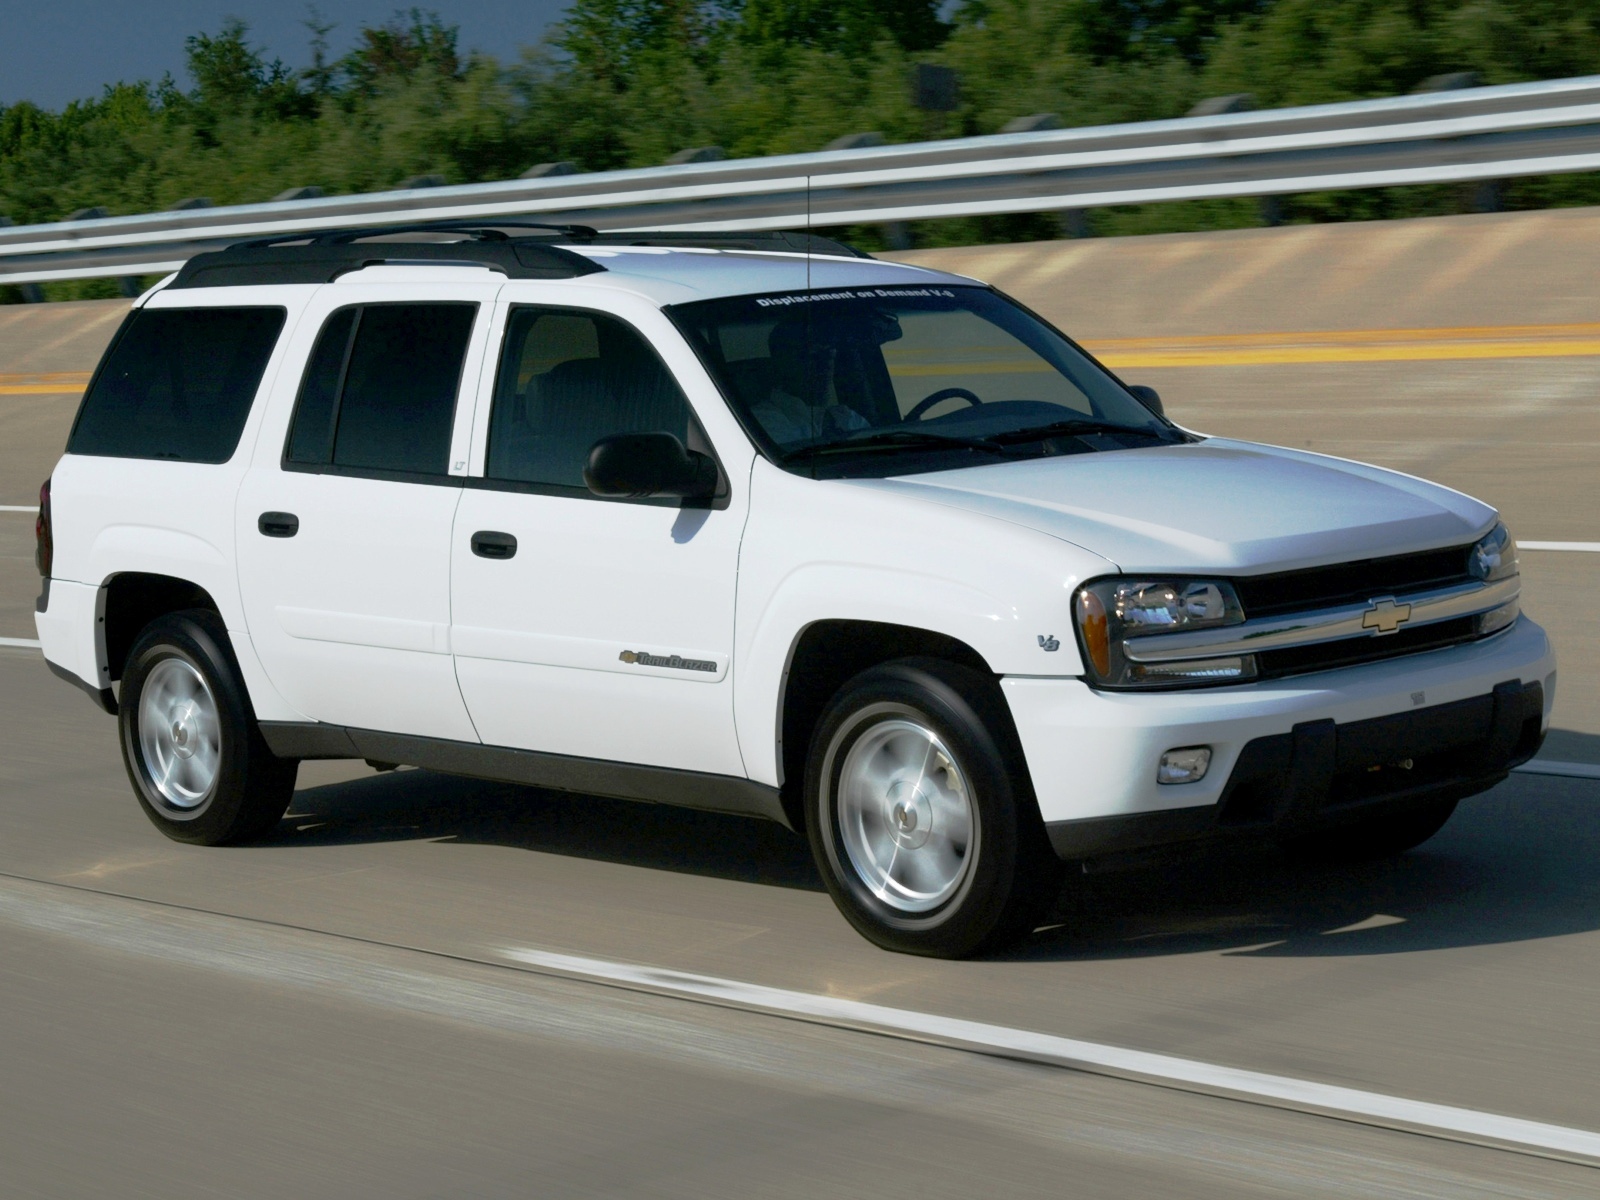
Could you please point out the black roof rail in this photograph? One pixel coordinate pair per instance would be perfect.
(321, 256)
(517, 249)
(793, 241)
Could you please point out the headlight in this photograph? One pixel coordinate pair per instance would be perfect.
(1112, 611)
(1492, 559)
(1495, 557)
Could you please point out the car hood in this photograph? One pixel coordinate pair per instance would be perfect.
(1215, 505)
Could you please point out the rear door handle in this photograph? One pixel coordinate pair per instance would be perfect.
(278, 524)
(486, 543)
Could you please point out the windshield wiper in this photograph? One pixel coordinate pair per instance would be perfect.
(1068, 427)
(896, 439)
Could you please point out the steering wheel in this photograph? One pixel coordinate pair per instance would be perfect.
(949, 393)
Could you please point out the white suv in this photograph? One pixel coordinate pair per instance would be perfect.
(755, 524)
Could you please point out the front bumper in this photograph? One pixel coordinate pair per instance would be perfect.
(1286, 753)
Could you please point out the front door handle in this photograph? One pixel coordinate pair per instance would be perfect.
(486, 543)
(278, 524)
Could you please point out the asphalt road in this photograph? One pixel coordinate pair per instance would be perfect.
(342, 1010)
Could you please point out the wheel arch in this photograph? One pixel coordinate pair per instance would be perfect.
(825, 655)
(129, 601)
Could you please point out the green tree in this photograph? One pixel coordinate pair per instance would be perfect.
(847, 26)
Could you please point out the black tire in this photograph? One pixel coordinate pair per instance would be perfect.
(1377, 835)
(1007, 874)
(229, 788)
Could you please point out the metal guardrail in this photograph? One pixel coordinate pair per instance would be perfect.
(1461, 136)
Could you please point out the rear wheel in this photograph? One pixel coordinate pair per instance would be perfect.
(919, 812)
(1378, 835)
(194, 753)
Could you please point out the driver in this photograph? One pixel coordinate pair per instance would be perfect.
(797, 408)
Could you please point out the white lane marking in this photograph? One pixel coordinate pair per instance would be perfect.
(27, 508)
(1591, 547)
(22, 643)
(1348, 1103)
(1546, 766)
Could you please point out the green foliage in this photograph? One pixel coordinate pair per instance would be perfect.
(625, 83)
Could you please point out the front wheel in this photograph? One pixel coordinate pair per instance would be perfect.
(919, 812)
(197, 761)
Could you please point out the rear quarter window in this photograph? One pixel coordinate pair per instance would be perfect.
(177, 384)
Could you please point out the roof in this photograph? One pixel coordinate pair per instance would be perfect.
(666, 267)
(678, 276)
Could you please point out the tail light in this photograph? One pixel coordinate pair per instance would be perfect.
(44, 552)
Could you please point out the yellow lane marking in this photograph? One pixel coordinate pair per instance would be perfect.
(1352, 345)
(1440, 333)
(50, 383)
(1416, 352)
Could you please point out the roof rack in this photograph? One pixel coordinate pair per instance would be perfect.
(776, 239)
(517, 249)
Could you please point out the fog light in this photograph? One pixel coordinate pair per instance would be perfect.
(1185, 765)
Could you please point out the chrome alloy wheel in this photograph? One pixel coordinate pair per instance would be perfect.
(180, 733)
(905, 815)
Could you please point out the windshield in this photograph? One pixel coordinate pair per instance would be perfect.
(891, 372)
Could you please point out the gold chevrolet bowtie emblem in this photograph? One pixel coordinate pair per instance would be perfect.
(1385, 615)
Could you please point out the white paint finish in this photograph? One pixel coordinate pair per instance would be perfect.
(69, 632)
(350, 617)
(364, 629)
(1094, 754)
(344, 615)
(1221, 505)
(111, 515)
(21, 643)
(1277, 1090)
(30, 509)
(538, 636)
(583, 654)
(1572, 770)
(1585, 547)
(840, 550)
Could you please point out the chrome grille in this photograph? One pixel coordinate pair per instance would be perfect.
(1328, 617)
(1352, 582)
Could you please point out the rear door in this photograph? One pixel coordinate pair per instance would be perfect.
(607, 631)
(344, 519)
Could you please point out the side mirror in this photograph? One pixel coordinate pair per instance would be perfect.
(1149, 397)
(636, 465)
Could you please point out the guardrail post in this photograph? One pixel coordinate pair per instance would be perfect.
(896, 234)
(1074, 223)
(935, 88)
(1485, 194)
(310, 192)
(549, 170)
(697, 154)
(1219, 106)
(855, 141)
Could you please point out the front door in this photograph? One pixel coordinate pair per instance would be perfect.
(582, 626)
(344, 520)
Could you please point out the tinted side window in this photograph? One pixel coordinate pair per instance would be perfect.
(312, 438)
(379, 392)
(178, 384)
(566, 380)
